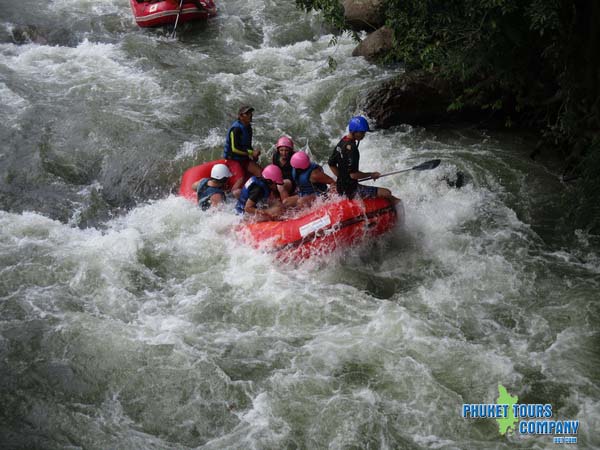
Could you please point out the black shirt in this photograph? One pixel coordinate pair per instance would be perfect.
(286, 169)
(345, 157)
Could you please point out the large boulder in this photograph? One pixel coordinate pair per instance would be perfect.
(414, 98)
(27, 34)
(376, 45)
(364, 15)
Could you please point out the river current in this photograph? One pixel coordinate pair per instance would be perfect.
(129, 319)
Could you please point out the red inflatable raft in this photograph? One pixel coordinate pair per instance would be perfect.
(152, 13)
(337, 224)
(318, 231)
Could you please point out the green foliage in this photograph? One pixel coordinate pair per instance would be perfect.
(332, 10)
(491, 49)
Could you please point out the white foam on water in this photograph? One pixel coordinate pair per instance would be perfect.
(259, 428)
(86, 7)
(86, 70)
(13, 106)
(192, 149)
(203, 292)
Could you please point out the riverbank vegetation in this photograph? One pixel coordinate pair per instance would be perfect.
(531, 63)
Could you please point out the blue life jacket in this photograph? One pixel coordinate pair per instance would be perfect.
(245, 145)
(205, 192)
(305, 186)
(241, 204)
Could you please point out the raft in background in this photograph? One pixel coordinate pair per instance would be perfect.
(320, 230)
(157, 13)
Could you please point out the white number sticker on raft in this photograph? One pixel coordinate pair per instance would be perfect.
(315, 225)
(153, 8)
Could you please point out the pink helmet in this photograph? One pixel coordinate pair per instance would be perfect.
(273, 173)
(300, 160)
(285, 141)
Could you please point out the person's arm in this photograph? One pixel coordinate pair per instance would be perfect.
(216, 200)
(271, 213)
(332, 162)
(255, 195)
(285, 189)
(318, 176)
(250, 207)
(358, 175)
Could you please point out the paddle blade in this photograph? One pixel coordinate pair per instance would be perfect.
(428, 165)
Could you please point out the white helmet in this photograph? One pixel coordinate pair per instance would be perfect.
(220, 171)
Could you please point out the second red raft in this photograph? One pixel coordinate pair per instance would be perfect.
(152, 13)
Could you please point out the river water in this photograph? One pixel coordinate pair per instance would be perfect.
(131, 320)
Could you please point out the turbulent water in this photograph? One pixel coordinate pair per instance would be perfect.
(130, 319)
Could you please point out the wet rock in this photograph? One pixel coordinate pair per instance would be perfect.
(364, 15)
(27, 34)
(414, 98)
(457, 181)
(32, 34)
(376, 45)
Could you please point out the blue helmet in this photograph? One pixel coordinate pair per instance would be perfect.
(358, 123)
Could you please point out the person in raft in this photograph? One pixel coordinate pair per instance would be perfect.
(284, 151)
(211, 191)
(259, 199)
(238, 146)
(343, 162)
(310, 179)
